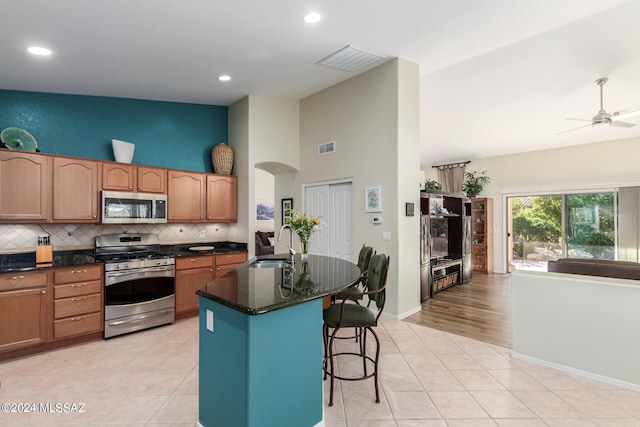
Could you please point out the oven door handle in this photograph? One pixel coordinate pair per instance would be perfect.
(140, 318)
(140, 270)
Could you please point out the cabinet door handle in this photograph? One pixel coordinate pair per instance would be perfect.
(14, 278)
(78, 318)
(78, 271)
(44, 291)
(218, 268)
(79, 299)
(193, 260)
(78, 285)
(93, 216)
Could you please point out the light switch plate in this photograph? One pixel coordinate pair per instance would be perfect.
(386, 235)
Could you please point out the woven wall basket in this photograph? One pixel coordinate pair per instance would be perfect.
(222, 159)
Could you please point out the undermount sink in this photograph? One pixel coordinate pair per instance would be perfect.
(271, 263)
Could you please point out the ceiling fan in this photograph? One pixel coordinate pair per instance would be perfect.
(603, 118)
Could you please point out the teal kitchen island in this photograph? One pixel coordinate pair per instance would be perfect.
(261, 342)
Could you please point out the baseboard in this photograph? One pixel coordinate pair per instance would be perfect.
(574, 371)
(403, 315)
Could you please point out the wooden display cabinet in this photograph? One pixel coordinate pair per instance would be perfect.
(482, 234)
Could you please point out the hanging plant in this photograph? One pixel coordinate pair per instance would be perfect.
(474, 182)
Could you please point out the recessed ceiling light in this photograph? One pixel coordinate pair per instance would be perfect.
(312, 17)
(224, 78)
(39, 50)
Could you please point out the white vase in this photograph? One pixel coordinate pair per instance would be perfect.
(123, 151)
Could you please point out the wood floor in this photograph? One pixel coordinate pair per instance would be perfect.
(480, 309)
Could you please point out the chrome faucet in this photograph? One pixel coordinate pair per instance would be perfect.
(292, 252)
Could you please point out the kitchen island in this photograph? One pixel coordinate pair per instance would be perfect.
(261, 342)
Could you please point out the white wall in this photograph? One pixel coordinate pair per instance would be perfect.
(600, 165)
(373, 118)
(581, 324)
(264, 131)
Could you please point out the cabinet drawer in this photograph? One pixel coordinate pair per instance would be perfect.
(22, 280)
(77, 305)
(77, 289)
(233, 258)
(77, 274)
(194, 262)
(77, 325)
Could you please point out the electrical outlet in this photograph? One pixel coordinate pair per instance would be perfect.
(202, 235)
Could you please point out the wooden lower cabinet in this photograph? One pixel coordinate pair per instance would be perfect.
(78, 301)
(24, 313)
(192, 273)
(227, 262)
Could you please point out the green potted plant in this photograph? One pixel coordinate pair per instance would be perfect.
(474, 182)
(431, 184)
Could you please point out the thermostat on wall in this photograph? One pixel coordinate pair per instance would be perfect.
(376, 220)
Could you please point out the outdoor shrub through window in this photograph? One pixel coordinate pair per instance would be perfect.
(550, 227)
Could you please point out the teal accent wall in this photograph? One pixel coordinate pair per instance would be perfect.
(166, 134)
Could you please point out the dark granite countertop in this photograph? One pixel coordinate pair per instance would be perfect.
(27, 260)
(180, 250)
(261, 290)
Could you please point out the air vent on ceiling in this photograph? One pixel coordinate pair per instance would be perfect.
(326, 148)
(351, 59)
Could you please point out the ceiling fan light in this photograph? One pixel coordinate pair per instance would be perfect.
(600, 123)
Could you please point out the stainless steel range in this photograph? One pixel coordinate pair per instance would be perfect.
(139, 283)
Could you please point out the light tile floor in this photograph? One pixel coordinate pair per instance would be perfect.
(428, 378)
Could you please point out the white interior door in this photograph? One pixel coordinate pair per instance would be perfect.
(333, 204)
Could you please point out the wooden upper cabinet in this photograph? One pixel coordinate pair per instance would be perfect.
(126, 177)
(75, 190)
(24, 186)
(118, 177)
(222, 198)
(152, 180)
(186, 196)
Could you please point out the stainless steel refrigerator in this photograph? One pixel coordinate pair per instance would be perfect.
(425, 258)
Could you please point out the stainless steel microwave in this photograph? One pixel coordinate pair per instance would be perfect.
(133, 208)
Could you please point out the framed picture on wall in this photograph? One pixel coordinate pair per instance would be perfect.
(373, 199)
(287, 207)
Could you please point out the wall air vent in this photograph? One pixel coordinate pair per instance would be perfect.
(351, 59)
(326, 148)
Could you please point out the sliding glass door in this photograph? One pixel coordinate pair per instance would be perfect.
(549, 227)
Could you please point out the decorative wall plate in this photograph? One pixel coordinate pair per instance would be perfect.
(18, 139)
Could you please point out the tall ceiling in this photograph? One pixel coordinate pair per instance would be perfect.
(497, 76)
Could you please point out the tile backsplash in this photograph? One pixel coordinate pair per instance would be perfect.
(24, 238)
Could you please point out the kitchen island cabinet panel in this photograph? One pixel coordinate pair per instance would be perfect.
(222, 198)
(186, 196)
(24, 187)
(75, 190)
(24, 313)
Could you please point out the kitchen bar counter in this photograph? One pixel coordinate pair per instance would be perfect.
(261, 290)
(260, 359)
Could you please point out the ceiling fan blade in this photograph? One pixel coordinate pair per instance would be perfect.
(622, 124)
(571, 130)
(621, 115)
